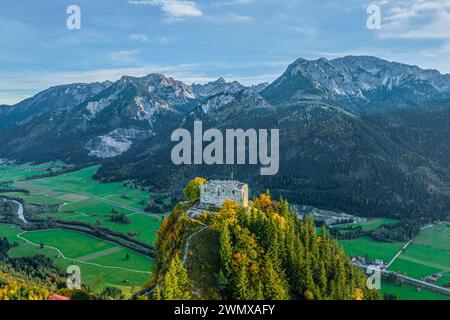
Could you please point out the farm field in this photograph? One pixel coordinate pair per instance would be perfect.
(76, 196)
(366, 246)
(81, 182)
(409, 292)
(10, 172)
(370, 225)
(429, 254)
(445, 279)
(437, 237)
(81, 198)
(141, 227)
(101, 263)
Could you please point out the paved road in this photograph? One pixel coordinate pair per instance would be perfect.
(431, 225)
(399, 253)
(410, 280)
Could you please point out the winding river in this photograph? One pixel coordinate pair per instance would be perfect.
(20, 210)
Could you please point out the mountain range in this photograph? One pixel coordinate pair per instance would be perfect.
(358, 134)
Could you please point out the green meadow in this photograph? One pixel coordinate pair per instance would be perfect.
(366, 246)
(409, 292)
(428, 254)
(369, 225)
(102, 263)
(9, 172)
(82, 182)
(81, 198)
(437, 237)
(78, 197)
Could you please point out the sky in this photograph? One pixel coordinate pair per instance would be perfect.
(197, 41)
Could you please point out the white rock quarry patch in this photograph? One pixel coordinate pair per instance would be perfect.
(114, 143)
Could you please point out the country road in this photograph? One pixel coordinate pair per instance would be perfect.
(410, 280)
(19, 236)
(409, 242)
(399, 253)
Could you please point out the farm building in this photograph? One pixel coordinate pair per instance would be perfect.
(215, 193)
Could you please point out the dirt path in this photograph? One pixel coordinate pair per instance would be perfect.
(188, 245)
(188, 241)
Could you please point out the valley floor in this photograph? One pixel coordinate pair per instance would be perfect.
(75, 196)
(427, 257)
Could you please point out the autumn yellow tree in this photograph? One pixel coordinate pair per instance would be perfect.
(192, 190)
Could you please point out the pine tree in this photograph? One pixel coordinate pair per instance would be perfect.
(323, 279)
(225, 249)
(276, 287)
(176, 284)
(266, 252)
(341, 279)
(259, 291)
(157, 294)
(242, 290)
(222, 283)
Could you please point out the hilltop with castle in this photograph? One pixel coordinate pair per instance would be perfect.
(214, 193)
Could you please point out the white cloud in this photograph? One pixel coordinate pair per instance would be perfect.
(416, 19)
(228, 17)
(125, 56)
(233, 2)
(139, 37)
(174, 9)
(17, 86)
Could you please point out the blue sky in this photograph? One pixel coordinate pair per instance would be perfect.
(251, 41)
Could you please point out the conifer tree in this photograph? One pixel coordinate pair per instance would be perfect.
(276, 287)
(176, 284)
(225, 249)
(242, 291)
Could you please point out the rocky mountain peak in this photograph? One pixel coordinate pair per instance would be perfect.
(215, 87)
(361, 80)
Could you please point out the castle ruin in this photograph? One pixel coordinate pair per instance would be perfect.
(215, 193)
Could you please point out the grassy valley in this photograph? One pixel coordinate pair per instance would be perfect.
(76, 196)
(427, 255)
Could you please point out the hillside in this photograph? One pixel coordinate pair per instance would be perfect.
(31, 278)
(262, 253)
(329, 158)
